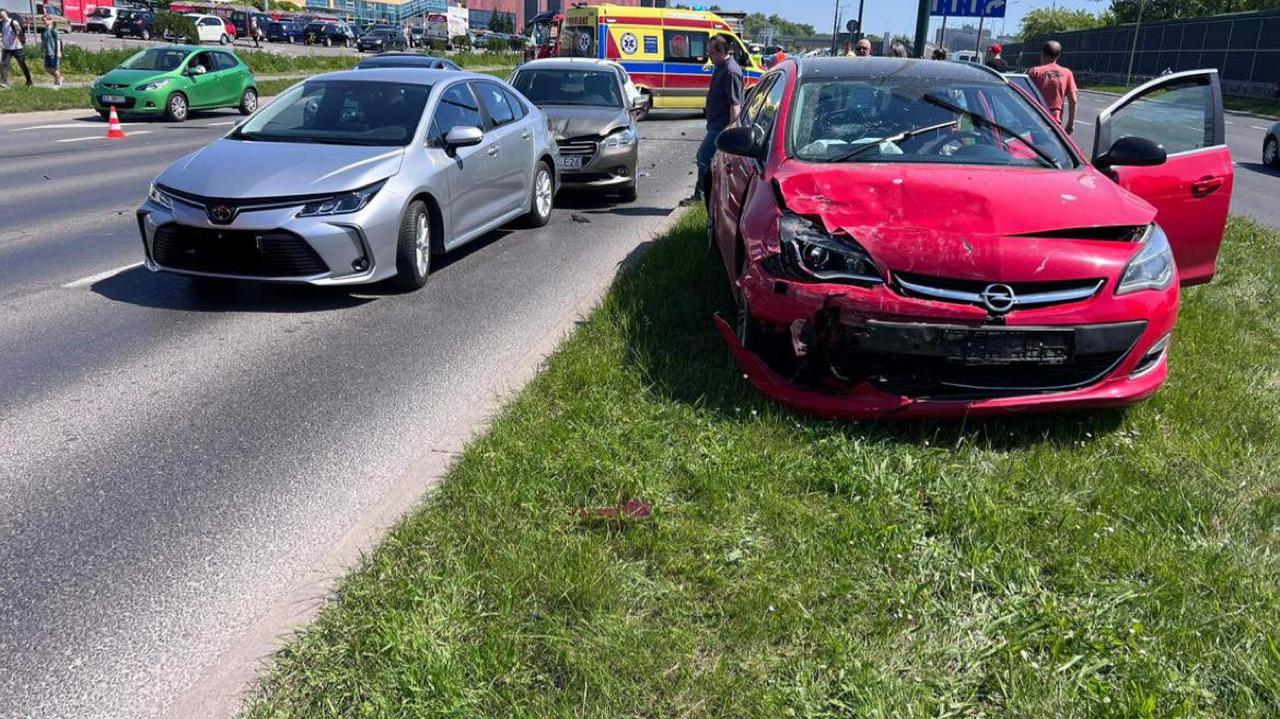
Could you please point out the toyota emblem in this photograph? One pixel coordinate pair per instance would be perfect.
(999, 298)
(221, 214)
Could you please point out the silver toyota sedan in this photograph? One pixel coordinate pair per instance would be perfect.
(354, 177)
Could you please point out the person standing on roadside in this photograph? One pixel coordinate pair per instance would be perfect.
(862, 48)
(254, 31)
(898, 50)
(724, 99)
(51, 49)
(408, 37)
(994, 61)
(11, 38)
(1057, 84)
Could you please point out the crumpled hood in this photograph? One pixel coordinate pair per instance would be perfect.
(120, 76)
(965, 221)
(571, 122)
(237, 169)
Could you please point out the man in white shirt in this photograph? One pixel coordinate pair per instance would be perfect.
(11, 48)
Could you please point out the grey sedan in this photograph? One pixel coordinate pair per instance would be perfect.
(354, 177)
(591, 119)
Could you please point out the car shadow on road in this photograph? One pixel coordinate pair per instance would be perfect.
(1259, 168)
(665, 305)
(144, 288)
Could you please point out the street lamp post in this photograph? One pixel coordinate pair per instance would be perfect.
(1133, 50)
(922, 27)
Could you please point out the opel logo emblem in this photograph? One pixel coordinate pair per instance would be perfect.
(999, 298)
(221, 214)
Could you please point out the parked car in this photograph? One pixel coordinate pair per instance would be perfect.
(289, 31)
(380, 40)
(590, 120)
(135, 23)
(920, 239)
(354, 177)
(102, 19)
(407, 59)
(172, 80)
(212, 28)
(1271, 147)
(329, 34)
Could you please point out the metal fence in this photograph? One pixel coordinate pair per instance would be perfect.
(1244, 47)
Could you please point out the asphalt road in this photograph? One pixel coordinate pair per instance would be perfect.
(178, 469)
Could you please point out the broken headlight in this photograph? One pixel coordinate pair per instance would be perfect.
(810, 253)
(1152, 267)
(342, 204)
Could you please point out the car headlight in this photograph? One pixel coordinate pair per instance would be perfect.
(342, 204)
(148, 87)
(624, 137)
(811, 253)
(1152, 267)
(160, 197)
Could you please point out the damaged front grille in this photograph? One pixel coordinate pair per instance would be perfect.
(586, 149)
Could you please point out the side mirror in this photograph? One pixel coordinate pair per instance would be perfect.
(744, 141)
(463, 136)
(196, 70)
(1131, 152)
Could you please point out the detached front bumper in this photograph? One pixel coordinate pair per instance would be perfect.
(274, 245)
(844, 352)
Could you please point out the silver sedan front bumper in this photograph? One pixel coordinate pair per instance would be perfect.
(603, 167)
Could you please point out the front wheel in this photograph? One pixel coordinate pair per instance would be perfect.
(643, 114)
(175, 110)
(248, 101)
(413, 247)
(541, 197)
(1271, 153)
(224, 40)
(328, 42)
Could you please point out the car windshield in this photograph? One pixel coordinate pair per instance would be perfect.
(157, 58)
(342, 112)
(569, 87)
(890, 119)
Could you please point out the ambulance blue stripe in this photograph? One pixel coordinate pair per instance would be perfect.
(674, 68)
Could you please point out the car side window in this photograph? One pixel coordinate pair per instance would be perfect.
(203, 60)
(754, 101)
(457, 108)
(495, 104)
(771, 99)
(226, 61)
(686, 46)
(517, 106)
(1179, 116)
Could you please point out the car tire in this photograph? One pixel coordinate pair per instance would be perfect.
(1271, 152)
(176, 108)
(224, 40)
(328, 42)
(104, 114)
(644, 111)
(248, 101)
(541, 197)
(413, 247)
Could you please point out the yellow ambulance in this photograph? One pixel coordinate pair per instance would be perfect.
(663, 49)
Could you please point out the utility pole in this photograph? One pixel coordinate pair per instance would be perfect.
(978, 48)
(1133, 50)
(922, 27)
(861, 34)
(835, 27)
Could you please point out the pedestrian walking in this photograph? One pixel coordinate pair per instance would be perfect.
(994, 61)
(1057, 84)
(408, 37)
(724, 99)
(51, 50)
(254, 32)
(12, 35)
(862, 48)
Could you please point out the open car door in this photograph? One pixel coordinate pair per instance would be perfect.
(1191, 190)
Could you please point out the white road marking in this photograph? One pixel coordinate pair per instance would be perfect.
(220, 124)
(86, 281)
(101, 137)
(64, 126)
(1230, 122)
(1082, 122)
(1256, 127)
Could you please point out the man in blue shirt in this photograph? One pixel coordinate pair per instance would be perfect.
(724, 99)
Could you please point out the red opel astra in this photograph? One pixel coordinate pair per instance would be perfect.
(908, 238)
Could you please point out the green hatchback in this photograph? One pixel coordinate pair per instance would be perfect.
(173, 80)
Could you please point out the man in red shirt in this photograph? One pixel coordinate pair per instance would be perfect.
(1057, 84)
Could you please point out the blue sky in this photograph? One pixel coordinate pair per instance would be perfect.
(899, 16)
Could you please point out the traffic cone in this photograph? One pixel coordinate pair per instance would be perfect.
(114, 131)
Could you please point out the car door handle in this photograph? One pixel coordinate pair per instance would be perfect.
(1206, 186)
(492, 151)
(526, 135)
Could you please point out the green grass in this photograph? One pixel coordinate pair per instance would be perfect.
(1104, 564)
(1256, 105)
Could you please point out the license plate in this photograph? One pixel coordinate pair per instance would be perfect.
(112, 99)
(570, 162)
(971, 346)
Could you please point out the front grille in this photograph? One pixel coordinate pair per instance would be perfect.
(585, 149)
(115, 85)
(274, 253)
(963, 291)
(937, 378)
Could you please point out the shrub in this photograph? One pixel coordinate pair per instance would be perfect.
(176, 27)
(460, 42)
(516, 43)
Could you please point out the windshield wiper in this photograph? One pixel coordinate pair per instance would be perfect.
(1043, 157)
(905, 135)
